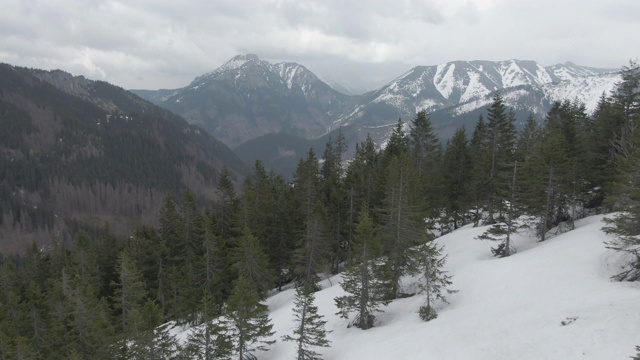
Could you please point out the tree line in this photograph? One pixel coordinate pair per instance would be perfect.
(373, 218)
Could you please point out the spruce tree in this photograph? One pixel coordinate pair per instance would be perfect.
(403, 221)
(210, 338)
(626, 223)
(252, 265)
(309, 331)
(427, 156)
(250, 324)
(128, 296)
(366, 290)
(153, 339)
(479, 175)
(334, 195)
(500, 143)
(456, 175)
(311, 256)
(434, 279)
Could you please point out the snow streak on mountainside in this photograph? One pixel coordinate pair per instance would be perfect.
(247, 98)
(465, 86)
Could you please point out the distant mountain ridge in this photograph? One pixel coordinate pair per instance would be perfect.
(247, 98)
(77, 153)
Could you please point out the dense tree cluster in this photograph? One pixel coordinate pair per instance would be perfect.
(373, 218)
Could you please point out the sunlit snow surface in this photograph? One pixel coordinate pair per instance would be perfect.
(510, 308)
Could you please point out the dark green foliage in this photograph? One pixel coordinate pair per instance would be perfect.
(311, 257)
(427, 313)
(362, 280)
(456, 175)
(90, 152)
(251, 327)
(434, 280)
(427, 157)
(252, 265)
(210, 339)
(309, 331)
(403, 221)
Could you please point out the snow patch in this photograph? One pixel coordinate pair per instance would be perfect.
(444, 79)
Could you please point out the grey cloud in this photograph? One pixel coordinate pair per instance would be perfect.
(152, 43)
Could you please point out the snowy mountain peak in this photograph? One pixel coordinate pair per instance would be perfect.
(238, 61)
(295, 74)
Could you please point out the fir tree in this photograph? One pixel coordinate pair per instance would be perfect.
(427, 156)
(456, 169)
(209, 339)
(128, 297)
(309, 331)
(334, 195)
(153, 339)
(249, 320)
(252, 265)
(311, 255)
(434, 279)
(404, 225)
(500, 144)
(366, 291)
(626, 223)
(480, 160)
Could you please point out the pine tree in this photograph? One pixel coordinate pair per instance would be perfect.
(311, 256)
(334, 195)
(502, 231)
(427, 155)
(271, 214)
(128, 296)
(249, 320)
(500, 144)
(226, 205)
(366, 291)
(252, 265)
(434, 279)
(227, 232)
(403, 221)
(309, 331)
(456, 169)
(210, 338)
(480, 160)
(153, 339)
(626, 223)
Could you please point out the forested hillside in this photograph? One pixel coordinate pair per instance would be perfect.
(212, 266)
(77, 153)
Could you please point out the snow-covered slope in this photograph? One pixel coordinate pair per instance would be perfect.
(465, 86)
(551, 300)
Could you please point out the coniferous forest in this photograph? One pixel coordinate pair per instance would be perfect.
(372, 217)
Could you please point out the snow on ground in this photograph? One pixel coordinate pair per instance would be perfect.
(511, 308)
(550, 300)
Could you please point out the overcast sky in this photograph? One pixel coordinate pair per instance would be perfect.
(165, 44)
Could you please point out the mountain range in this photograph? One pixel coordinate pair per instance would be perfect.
(76, 154)
(248, 98)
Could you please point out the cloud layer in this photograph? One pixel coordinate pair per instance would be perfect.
(154, 44)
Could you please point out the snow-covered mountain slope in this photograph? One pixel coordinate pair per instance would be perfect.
(550, 300)
(505, 308)
(465, 86)
(247, 98)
